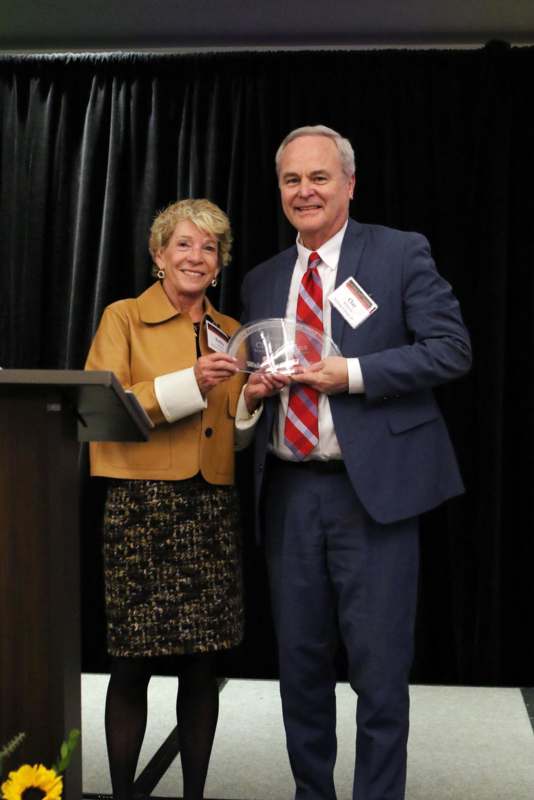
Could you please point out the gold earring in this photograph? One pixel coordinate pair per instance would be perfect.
(160, 274)
(214, 282)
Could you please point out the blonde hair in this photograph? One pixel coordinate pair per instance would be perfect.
(202, 213)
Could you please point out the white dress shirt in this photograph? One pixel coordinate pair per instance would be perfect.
(328, 446)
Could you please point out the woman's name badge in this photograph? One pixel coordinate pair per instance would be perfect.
(352, 302)
(216, 338)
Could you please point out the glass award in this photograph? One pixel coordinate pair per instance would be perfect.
(279, 345)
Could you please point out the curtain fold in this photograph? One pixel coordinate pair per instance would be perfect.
(92, 146)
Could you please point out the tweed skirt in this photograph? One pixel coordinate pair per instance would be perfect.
(172, 568)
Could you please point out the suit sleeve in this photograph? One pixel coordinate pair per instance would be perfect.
(245, 310)
(438, 347)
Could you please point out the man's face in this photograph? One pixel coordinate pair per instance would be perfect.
(314, 190)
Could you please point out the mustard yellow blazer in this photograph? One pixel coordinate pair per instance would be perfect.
(140, 339)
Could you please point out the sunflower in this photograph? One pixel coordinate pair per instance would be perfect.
(32, 783)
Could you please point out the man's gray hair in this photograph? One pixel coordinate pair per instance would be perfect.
(346, 152)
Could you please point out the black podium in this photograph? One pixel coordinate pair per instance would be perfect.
(44, 414)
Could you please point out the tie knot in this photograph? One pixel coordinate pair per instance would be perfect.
(314, 260)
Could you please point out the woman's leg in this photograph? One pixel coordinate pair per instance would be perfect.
(126, 713)
(197, 710)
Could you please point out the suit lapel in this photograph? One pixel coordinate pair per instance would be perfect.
(282, 282)
(350, 259)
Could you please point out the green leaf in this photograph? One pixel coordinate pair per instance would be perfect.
(66, 750)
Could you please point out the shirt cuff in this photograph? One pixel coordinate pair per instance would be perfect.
(178, 394)
(245, 423)
(243, 418)
(356, 385)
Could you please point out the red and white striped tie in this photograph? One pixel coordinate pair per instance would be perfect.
(301, 431)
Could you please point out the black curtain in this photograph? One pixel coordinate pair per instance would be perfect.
(93, 146)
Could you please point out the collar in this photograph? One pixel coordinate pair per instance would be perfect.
(154, 306)
(328, 252)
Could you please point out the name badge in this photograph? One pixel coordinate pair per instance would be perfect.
(216, 338)
(352, 302)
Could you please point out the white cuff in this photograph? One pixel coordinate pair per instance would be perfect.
(243, 418)
(178, 394)
(245, 423)
(356, 385)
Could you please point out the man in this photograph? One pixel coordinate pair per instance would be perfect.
(345, 467)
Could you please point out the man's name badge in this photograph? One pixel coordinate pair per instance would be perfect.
(353, 302)
(216, 338)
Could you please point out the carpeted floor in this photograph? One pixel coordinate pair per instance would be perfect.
(465, 743)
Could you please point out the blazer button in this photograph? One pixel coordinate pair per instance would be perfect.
(208, 432)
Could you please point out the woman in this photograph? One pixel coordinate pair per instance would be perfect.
(171, 525)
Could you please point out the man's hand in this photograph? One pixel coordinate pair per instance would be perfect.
(329, 376)
(261, 385)
(213, 369)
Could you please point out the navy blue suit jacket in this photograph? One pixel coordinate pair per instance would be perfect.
(393, 438)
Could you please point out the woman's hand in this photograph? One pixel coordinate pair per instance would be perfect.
(213, 369)
(261, 385)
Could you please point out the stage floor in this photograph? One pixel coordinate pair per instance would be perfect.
(465, 743)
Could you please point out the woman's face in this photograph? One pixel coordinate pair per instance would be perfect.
(190, 261)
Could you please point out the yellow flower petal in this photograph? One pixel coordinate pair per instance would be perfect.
(38, 777)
